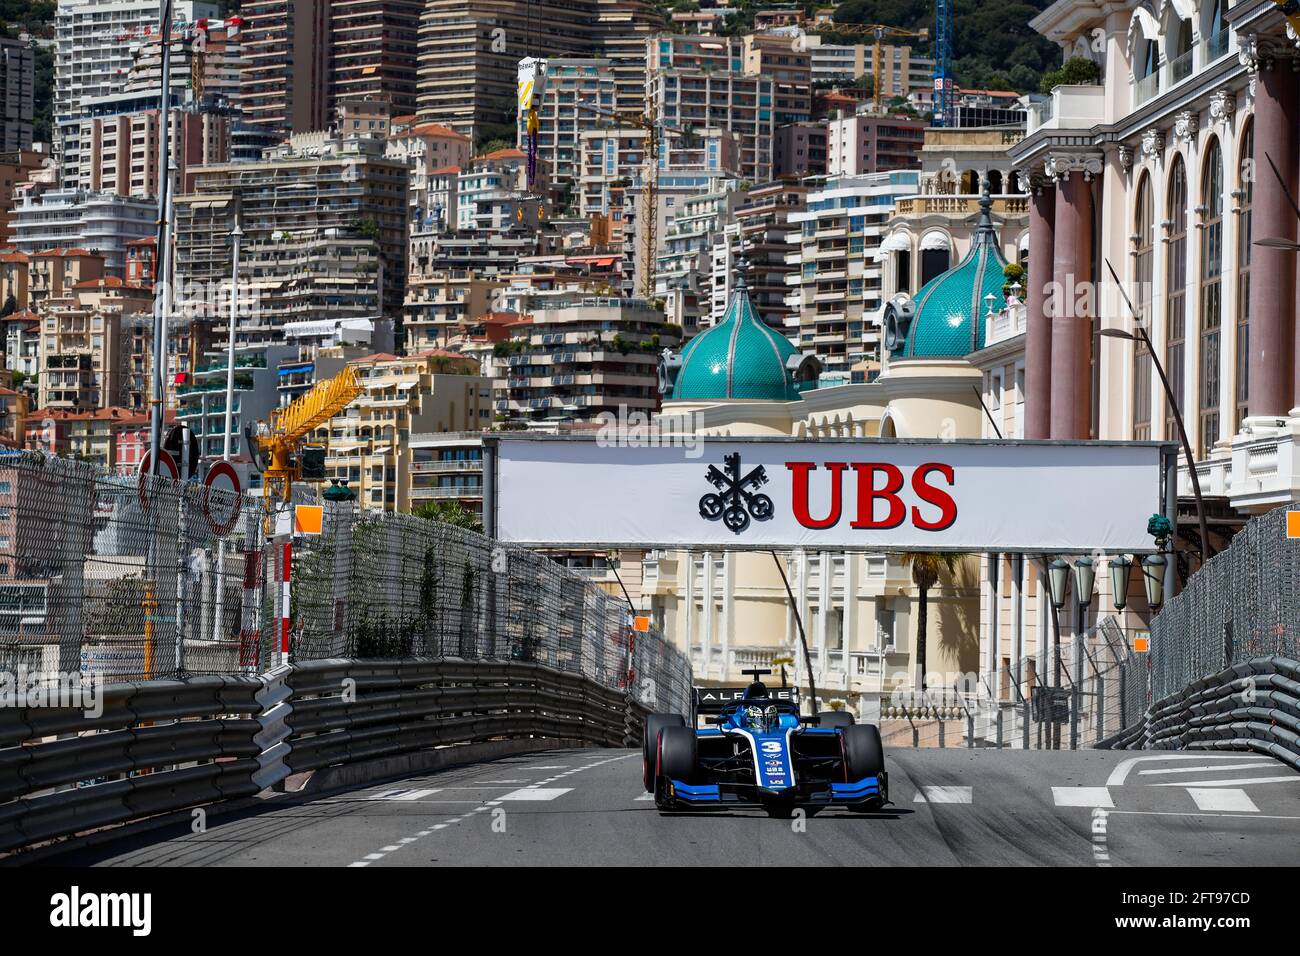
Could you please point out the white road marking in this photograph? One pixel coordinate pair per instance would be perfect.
(941, 795)
(1293, 778)
(645, 796)
(1193, 813)
(1203, 768)
(556, 767)
(533, 793)
(1121, 771)
(402, 795)
(1082, 797)
(1223, 799)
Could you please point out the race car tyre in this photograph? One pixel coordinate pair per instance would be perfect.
(653, 724)
(834, 718)
(677, 753)
(863, 751)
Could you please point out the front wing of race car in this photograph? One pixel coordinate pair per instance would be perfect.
(782, 769)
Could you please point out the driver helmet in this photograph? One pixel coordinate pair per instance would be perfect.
(771, 718)
(754, 717)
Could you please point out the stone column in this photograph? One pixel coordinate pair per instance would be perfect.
(1038, 331)
(1071, 388)
(1273, 271)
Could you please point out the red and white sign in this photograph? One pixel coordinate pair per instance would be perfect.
(222, 509)
(868, 495)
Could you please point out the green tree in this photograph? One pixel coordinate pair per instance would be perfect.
(927, 567)
(449, 512)
(1076, 71)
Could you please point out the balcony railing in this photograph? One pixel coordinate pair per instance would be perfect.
(1180, 67)
(1146, 87)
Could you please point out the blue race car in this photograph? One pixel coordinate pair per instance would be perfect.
(761, 752)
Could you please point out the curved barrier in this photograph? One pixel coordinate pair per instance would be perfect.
(161, 746)
(1254, 705)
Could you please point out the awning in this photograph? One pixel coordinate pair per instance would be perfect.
(894, 242)
(935, 240)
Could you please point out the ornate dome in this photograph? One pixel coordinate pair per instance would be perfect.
(948, 313)
(739, 358)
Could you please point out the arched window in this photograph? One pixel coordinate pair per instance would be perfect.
(1246, 192)
(1143, 259)
(1180, 58)
(1175, 285)
(1211, 295)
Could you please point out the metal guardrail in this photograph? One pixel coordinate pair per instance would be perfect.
(162, 746)
(1253, 705)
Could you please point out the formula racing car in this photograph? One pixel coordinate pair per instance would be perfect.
(760, 751)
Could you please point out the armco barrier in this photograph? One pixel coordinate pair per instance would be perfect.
(1253, 705)
(161, 746)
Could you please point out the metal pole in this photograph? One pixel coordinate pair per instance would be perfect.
(161, 258)
(1207, 551)
(490, 487)
(235, 235)
(1171, 512)
(803, 637)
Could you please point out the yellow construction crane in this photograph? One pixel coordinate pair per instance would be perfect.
(878, 32)
(654, 130)
(280, 440)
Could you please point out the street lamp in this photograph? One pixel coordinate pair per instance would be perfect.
(1058, 573)
(1085, 573)
(1153, 579)
(1207, 551)
(1121, 567)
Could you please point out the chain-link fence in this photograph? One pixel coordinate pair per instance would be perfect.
(138, 579)
(1038, 706)
(1243, 604)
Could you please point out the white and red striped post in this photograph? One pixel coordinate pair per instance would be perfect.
(286, 567)
(250, 628)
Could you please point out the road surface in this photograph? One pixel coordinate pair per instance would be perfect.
(586, 807)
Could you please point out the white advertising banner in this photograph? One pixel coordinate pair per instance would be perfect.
(838, 495)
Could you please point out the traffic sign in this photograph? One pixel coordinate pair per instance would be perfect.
(641, 624)
(166, 469)
(223, 513)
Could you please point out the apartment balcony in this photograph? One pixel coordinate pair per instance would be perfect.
(457, 465)
(439, 493)
(961, 206)
(1070, 107)
(1257, 472)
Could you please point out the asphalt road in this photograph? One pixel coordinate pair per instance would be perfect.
(586, 807)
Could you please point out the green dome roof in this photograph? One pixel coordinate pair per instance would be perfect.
(950, 308)
(742, 357)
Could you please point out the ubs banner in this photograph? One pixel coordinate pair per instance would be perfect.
(857, 494)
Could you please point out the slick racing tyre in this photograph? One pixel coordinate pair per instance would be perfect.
(863, 752)
(834, 718)
(677, 753)
(653, 724)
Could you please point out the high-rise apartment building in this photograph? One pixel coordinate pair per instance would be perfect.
(470, 50)
(836, 290)
(284, 74)
(573, 86)
(96, 41)
(761, 229)
(790, 69)
(372, 48)
(869, 143)
(324, 235)
(17, 77)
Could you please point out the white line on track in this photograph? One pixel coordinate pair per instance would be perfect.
(1082, 797)
(1121, 771)
(1206, 768)
(1239, 782)
(1223, 799)
(943, 795)
(534, 791)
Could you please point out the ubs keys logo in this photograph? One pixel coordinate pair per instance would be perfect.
(737, 499)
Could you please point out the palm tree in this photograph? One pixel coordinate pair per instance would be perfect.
(926, 567)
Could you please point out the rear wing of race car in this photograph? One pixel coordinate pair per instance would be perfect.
(711, 700)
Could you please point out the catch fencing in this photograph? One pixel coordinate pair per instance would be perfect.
(132, 579)
(1223, 666)
(1035, 707)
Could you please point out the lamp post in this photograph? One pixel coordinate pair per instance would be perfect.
(1153, 579)
(1207, 551)
(1058, 577)
(1121, 567)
